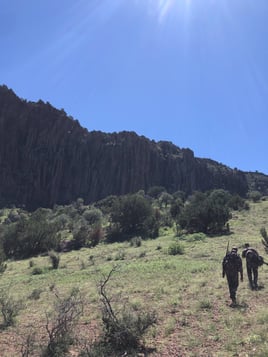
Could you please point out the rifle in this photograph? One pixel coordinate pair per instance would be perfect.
(227, 248)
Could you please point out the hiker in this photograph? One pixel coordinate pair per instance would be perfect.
(231, 266)
(253, 261)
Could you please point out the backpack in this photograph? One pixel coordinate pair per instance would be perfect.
(230, 262)
(253, 258)
(260, 260)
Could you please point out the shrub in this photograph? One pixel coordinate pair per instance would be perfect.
(87, 236)
(3, 265)
(165, 199)
(80, 237)
(205, 305)
(206, 212)
(142, 254)
(54, 259)
(122, 330)
(132, 215)
(95, 236)
(93, 215)
(120, 255)
(37, 271)
(135, 242)
(255, 196)
(175, 249)
(28, 344)
(35, 295)
(237, 203)
(10, 308)
(31, 263)
(175, 208)
(30, 236)
(60, 324)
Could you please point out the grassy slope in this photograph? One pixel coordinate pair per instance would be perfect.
(187, 291)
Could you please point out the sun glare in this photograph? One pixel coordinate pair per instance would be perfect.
(165, 8)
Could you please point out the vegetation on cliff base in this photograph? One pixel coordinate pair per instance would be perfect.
(24, 234)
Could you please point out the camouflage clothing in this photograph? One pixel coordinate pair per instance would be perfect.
(252, 261)
(231, 266)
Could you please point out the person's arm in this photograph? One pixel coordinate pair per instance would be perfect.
(223, 271)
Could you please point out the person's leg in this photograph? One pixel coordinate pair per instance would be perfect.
(255, 277)
(233, 284)
(249, 272)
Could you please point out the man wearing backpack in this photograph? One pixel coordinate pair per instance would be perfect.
(231, 267)
(253, 261)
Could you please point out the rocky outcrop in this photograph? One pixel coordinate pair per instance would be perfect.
(46, 157)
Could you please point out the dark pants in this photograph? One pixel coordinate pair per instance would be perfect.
(252, 271)
(233, 282)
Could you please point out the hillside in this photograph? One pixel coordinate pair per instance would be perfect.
(46, 157)
(187, 292)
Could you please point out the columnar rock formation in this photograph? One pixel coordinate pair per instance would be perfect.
(46, 157)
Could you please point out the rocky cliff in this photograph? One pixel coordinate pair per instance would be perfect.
(46, 157)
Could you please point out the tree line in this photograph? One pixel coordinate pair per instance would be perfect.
(114, 219)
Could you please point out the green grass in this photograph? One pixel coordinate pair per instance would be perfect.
(187, 291)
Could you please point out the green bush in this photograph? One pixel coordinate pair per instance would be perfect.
(54, 259)
(175, 249)
(206, 212)
(88, 236)
(30, 236)
(255, 196)
(132, 215)
(135, 242)
(93, 215)
(125, 332)
(35, 295)
(238, 203)
(37, 271)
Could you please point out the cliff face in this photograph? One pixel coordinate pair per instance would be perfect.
(47, 158)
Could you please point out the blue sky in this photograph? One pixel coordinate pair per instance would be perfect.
(193, 72)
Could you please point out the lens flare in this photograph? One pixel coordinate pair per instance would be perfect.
(165, 8)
